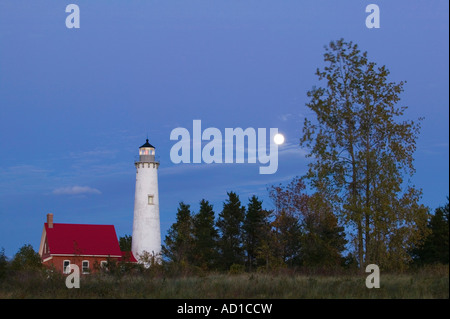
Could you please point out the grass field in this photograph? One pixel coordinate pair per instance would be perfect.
(414, 285)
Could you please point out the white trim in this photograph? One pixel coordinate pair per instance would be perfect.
(47, 259)
(76, 255)
(43, 238)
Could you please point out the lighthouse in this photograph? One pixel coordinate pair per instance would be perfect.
(146, 236)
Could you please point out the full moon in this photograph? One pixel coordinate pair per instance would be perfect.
(278, 139)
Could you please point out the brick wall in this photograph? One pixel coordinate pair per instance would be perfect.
(57, 262)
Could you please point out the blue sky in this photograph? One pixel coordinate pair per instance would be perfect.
(75, 104)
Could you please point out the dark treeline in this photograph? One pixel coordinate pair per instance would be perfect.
(302, 231)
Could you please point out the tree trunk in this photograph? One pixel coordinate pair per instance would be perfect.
(356, 211)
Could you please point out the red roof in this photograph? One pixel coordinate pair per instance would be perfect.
(81, 239)
(128, 256)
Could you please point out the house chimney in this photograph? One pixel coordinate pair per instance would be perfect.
(50, 220)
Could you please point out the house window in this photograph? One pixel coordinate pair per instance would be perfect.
(85, 266)
(66, 264)
(150, 199)
(103, 264)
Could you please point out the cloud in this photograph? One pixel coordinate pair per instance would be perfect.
(75, 190)
(291, 150)
(23, 170)
(284, 117)
(93, 154)
(290, 116)
(23, 177)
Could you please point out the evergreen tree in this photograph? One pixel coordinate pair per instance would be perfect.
(125, 243)
(323, 240)
(435, 248)
(205, 237)
(254, 229)
(125, 247)
(179, 240)
(267, 252)
(229, 225)
(3, 264)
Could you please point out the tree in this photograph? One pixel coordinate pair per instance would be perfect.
(290, 206)
(125, 243)
(435, 248)
(306, 229)
(179, 240)
(361, 151)
(290, 198)
(287, 238)
(205, 236)
(125, 248)
(26, 259)
(254, 229)
(229, 225)
(3, 263)
(323, 240)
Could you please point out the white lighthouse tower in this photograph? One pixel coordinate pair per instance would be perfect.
(146, 236)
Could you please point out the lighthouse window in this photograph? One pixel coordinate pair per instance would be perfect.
(150, 199)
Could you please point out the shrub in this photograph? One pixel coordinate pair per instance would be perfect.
(236, 269)
(26, 258)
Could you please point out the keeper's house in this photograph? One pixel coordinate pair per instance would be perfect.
(87, 246)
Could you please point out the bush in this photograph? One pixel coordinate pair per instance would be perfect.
(26, 258)
(236, 269)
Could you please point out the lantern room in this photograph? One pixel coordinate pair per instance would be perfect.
(147, 152)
